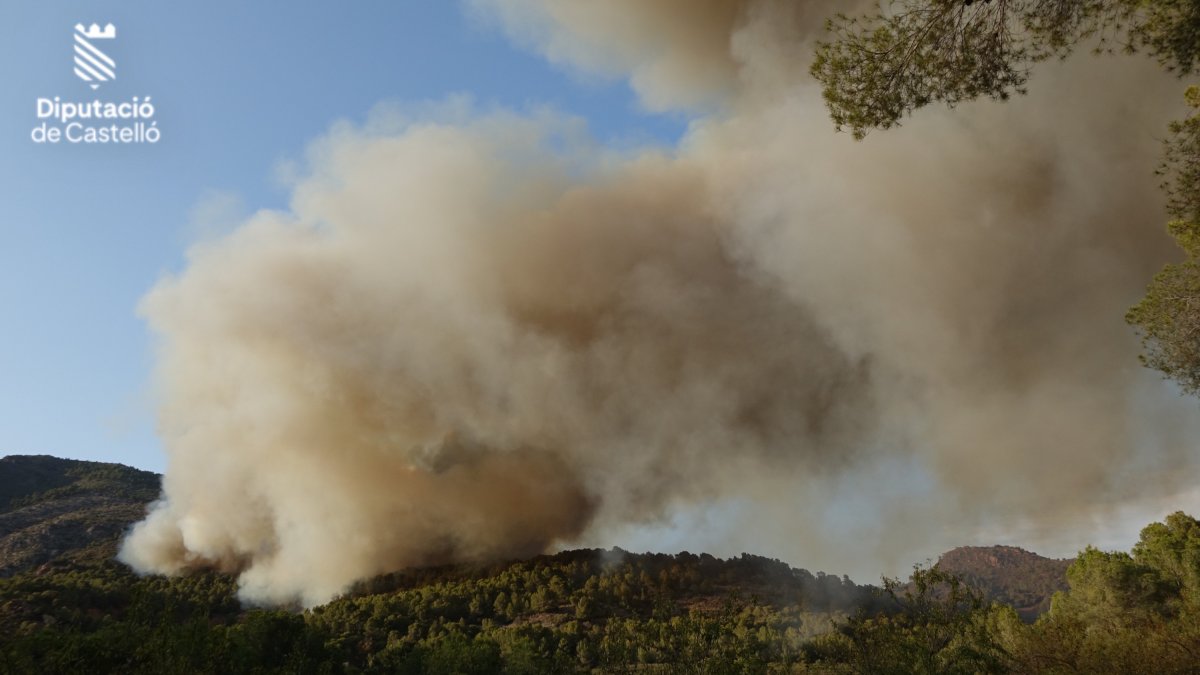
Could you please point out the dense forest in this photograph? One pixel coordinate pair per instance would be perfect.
(585, 610)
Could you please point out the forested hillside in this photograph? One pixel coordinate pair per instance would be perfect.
(584, 611)
(1009, 575)
(64, 509)
(563, 613)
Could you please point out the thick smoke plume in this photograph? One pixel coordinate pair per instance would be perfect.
(475, 336)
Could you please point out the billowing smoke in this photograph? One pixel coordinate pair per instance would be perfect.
(475, 336)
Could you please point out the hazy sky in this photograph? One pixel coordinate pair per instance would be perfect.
(240, 89)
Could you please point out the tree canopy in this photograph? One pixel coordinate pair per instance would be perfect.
(609, 611)
(1168, 317)
(878, 68)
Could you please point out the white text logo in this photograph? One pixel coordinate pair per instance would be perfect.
(104, 120)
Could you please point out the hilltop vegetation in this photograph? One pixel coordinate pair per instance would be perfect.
(570, 612)
(1009, 575)
(590, 611)
(53, 508)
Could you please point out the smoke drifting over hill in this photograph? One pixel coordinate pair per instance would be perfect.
(481, 335)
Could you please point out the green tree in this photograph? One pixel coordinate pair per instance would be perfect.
(1123, 610)
(937, 624)
(878, 68)
(1168, 318)
(1172, 549)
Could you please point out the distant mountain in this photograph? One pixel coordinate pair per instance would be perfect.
(1009, 575)
(64, 510)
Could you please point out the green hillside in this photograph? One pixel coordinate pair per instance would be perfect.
(67, 607)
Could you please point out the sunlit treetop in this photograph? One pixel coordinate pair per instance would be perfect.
(877, 68)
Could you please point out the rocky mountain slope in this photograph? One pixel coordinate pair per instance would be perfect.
(54, 509)
(1009, 575)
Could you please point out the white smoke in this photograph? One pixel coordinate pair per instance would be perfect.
(473, 337)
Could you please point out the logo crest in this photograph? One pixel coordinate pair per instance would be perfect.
(91, 64)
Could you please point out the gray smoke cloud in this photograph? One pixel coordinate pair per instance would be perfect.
(482, 335)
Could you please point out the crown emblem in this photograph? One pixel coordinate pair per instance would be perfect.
(94, 31)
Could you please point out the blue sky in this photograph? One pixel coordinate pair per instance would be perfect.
(238, 88)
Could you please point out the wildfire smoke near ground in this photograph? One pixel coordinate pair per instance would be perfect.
(477, 334)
